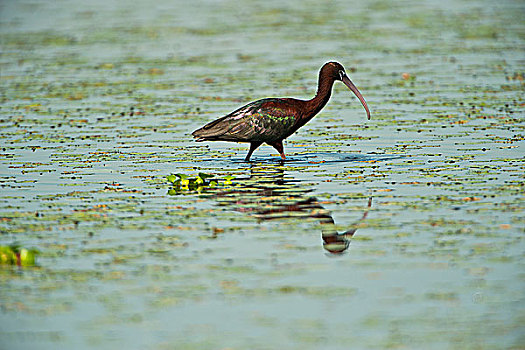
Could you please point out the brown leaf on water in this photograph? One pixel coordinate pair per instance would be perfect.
(76, 96)
(470, 199)
(155, 71)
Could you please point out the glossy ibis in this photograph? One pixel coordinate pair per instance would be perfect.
(272, 120)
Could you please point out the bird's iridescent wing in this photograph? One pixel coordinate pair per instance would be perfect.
(264, 120)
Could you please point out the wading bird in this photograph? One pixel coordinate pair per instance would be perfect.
(271, 120)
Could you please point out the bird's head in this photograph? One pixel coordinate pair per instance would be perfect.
(336, 71)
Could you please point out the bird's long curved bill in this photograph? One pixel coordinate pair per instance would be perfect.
(351, 86)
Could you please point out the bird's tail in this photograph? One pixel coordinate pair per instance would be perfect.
(203, 135)
(214, 131)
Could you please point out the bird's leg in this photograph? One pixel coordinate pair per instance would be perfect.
(278, 145)
(253, 147)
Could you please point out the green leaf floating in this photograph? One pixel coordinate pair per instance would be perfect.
(228, 179)
(201, 178)
(14, 255)
(183, 183)
(28, 257)
(7, 256)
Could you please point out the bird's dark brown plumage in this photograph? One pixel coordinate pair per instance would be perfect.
(271, 120)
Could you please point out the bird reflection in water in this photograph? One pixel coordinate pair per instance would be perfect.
(269, 195)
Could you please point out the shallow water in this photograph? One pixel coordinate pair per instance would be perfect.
(98, 103)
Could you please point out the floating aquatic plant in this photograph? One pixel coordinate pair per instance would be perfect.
(15, 255)
(186, 183)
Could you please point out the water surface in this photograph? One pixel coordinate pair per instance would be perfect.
(98, 101)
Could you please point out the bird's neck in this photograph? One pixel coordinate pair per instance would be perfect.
(324, 90)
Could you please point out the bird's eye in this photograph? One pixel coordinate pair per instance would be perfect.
(342, 74)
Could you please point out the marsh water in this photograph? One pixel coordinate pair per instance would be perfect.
(403, 231)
